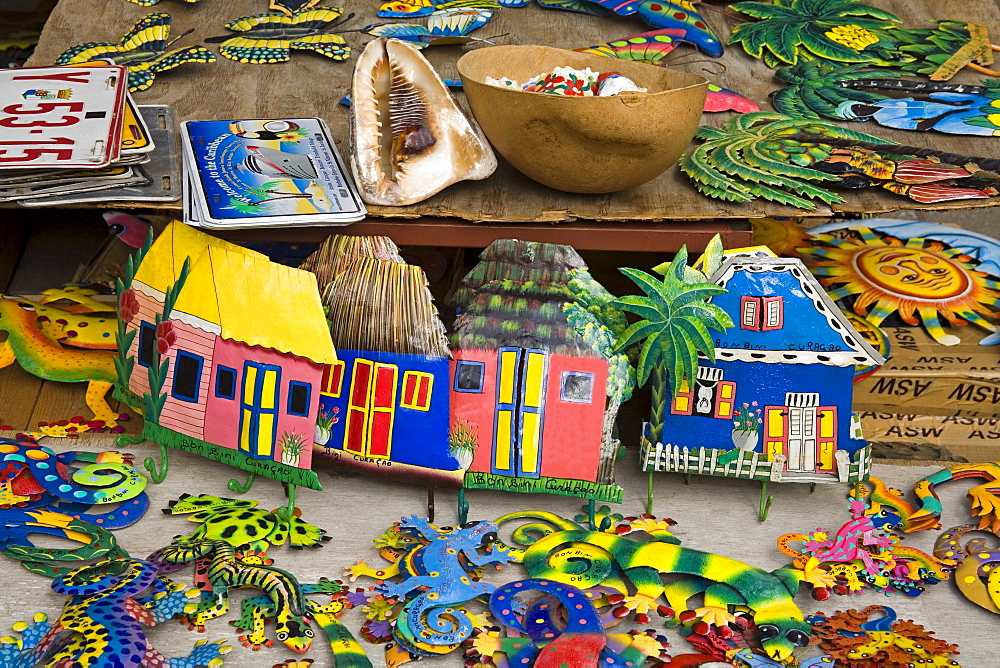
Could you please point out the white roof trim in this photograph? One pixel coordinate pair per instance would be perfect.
(149, 291)
(196, 322)
(857, 350)
(186, 318)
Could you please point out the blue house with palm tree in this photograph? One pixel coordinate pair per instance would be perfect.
(780, 387)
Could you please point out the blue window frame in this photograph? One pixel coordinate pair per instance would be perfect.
(469, 376)
(298, 398)
(577, 387)
(187, 376)
(225, 382)
(147, 344)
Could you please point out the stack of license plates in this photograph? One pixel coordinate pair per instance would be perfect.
(73, 134)
(265, 173)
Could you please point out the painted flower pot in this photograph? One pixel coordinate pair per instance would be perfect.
(291, 460)
(464, 457)
(322, 435)
(745, 440)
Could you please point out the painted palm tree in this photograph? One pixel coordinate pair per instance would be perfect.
(847, 31)
(673, 330)
(763, 155)
(818, 89)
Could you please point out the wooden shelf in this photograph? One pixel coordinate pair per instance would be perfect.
(452, 232)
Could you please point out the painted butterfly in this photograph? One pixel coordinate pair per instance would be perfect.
(289, 7)
(449, 26)
(679, 14)
(647, 47)
(414, 8)
(581, 6)
(651, 47)
(142, 50)
(270, 38)
(150, 3)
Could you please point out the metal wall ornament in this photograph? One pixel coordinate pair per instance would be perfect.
(270, 38)
(108, 604)
(977, 575)
(920, 279)
(617, 561)
(211, 375)
(444, 27)
(789, 160)
(679, 15)
(143, 50)
(536, 375)
(385, 406)
(850, 31)
(840, 30)
(857, 639)
(822, 90)
(652, 47)
(781, 365)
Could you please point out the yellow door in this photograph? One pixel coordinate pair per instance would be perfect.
(259, 409)
(774, 430)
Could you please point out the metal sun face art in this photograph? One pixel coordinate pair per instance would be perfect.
(920, 279)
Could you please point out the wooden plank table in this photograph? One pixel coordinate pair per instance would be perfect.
(310, 85)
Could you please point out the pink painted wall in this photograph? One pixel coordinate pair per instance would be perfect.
(222, 421)
(148, 308)
(187, 417)
(479, 409)
(571, 434)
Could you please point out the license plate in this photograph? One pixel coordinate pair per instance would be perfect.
(61, 116)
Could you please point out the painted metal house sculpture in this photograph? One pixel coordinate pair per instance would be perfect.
(384, 405)
(535, 381)
(778, 396)
(228, 357)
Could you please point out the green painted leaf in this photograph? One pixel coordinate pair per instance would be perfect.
(654, 289)
(639, 331)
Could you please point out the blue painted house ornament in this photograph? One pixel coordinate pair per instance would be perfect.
(776, 403)
(385, 404)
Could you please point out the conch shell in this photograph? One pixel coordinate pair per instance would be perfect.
(409, 138)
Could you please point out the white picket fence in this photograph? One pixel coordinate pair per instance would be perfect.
(746, 465)
(749, 465)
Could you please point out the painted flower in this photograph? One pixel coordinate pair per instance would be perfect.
(128, 305)
(166, 337)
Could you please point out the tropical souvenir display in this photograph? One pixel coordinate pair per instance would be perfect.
(741, 403)
(537, 381)
(208, 374)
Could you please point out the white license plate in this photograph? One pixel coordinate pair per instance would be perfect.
(61, 116)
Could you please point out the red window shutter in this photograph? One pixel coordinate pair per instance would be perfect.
(355, 441)
(725, 397)
(683, 402)
(409, 389)
(362, 377)
(380, 432)
(772, 314)
(424, 398)
(385, 387)
(750, 312)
